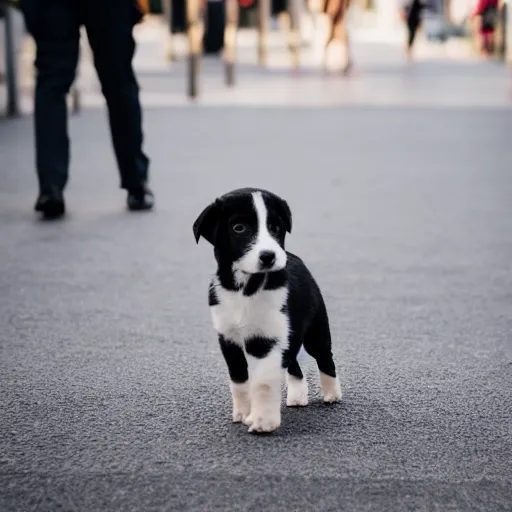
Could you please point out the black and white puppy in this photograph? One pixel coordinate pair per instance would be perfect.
(265, 305)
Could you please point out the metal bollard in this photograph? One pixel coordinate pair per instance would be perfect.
(13, 108)
(230, 33)
(194, 33)
(294, 8)
(263, 21)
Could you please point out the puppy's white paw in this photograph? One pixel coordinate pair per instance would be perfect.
(259, 423)
(297, 401)
(241, 402)
(240, 415)
(297, 391)
(264, 424)
(331, 398)
(331, 388)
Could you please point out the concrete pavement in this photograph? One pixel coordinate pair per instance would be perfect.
(114, 395)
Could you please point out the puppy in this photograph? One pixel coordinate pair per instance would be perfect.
(265, 305)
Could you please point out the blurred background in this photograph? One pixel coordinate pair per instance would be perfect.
(397, 169)
(449, 32)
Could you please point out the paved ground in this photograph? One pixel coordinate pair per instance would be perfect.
(114, 395)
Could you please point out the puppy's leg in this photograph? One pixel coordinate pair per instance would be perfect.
(239, 375)
(317, 343)
(297, 386)
(265, 369)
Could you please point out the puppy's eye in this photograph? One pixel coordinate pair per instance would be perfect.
(239, 228)
(274, 227)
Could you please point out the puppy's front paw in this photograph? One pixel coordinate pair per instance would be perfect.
(297, 392)
(239, 415)
(331, 388)
(298, 401)
(241, 402)
(263, 423)
(331, 398)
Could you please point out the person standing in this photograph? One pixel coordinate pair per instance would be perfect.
(485, 13)
(55, 28)
(412, 13)
(337, 12)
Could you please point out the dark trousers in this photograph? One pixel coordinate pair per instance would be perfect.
(54, 25)
(414, 20)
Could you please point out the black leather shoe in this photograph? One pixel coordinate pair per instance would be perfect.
(140, 199)
(51, 205)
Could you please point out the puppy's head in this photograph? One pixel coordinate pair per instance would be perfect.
(247, 228)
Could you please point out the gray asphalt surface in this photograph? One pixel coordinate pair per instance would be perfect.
(114, 395)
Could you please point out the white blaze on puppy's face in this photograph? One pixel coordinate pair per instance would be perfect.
(264, 242)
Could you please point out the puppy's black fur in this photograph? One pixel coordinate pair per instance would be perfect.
(308, 318)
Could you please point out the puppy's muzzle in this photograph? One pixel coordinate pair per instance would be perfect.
(267, 259)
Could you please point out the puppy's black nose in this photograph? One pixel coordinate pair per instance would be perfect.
(267, 258)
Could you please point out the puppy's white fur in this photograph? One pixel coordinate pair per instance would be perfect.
(241, 401)
(238, 317)
(249, 263)
(265, 377)
(297, 391)
(331, 388)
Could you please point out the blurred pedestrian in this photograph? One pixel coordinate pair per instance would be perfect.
(337, 10)
(485, 15)
(412, 15)
(55, 27)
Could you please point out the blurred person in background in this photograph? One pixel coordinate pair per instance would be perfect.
(412, 14)
(55, 28)
(337, 10)
(485, 18)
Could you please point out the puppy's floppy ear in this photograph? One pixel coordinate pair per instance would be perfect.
(207, 223)
(286, 214)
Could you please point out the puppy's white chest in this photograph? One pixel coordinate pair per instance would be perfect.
(238, 317)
